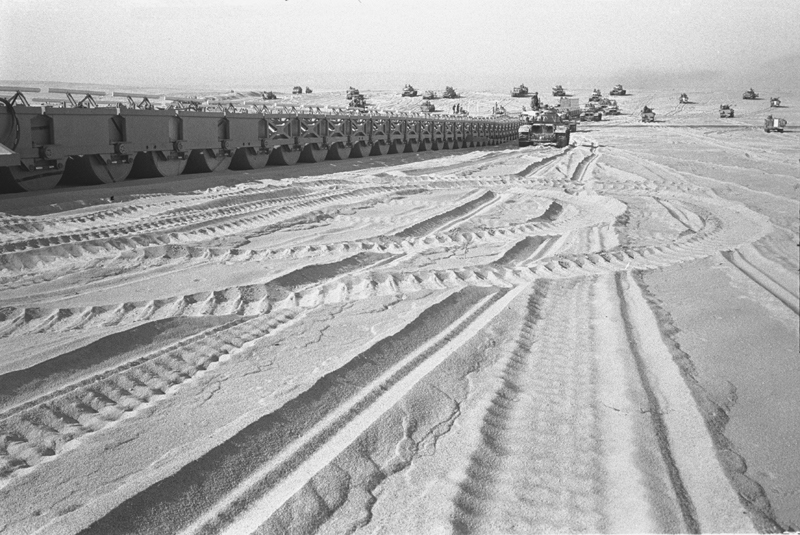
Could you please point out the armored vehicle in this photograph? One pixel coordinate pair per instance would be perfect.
(449, 92)
(750, 94)
(684, 99)
(297, 90)
(648, 115)
(618, 90)
(725, 111)
(352, 92)
(427, 106)
(591, 112)
(774, 102)
(409, 91)
(558, 91)
(519, 91)
(774, 124)
(543, 127)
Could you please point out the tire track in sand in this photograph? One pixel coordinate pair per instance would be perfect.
(537, 467)
(246, 478)
(41, 427)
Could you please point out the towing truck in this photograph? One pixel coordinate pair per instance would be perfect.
(543, 127)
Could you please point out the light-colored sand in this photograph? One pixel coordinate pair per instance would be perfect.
(601, 338)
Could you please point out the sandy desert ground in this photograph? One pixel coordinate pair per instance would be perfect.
(600, 338)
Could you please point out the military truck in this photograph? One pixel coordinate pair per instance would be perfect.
(725, 111)
(648, 115)
(520, 91)
(569, 110)
(427, 106)
(596, 95)
(543, 127)
(297, 90)
(774, 124)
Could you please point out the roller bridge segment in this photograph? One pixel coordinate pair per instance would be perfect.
(88, 141)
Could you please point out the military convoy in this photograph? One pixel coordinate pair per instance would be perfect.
(520, 91)
(543, 127)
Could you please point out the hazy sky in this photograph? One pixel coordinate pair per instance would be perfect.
(246, 43)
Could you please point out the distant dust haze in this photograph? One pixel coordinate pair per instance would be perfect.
(373, 43)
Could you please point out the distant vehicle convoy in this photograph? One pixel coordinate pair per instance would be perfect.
(151, 135)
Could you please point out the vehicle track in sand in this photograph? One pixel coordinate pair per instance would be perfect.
(42, 425)
(723, 229)
(532, 224)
